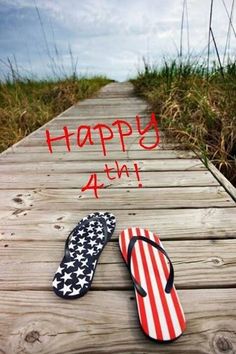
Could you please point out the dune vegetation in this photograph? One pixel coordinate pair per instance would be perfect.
(196, 107)
(26, 104)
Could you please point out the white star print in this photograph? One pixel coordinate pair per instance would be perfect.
(101, 236)
(82, 282)
(74, 292)
(65, 289)
(66, 276)
(91, 252)
(55, 283)
(70, 264)
(79, 257)
(92, 243)
(59, 269)
(99, 246)
(99, 228)
(82, 241)
(80, 249)
(79, 272)
(91, 234)
(92, 222)
(73, 238)
(84, 263)
(90, 275)
(81, 232)
(90, 228)
(72, 246)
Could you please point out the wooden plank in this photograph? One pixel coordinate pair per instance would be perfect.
(92, 119)
(102, 104)
(75, 111)
(124, 101)
(213, 223)
(97, 146)
(94, 166)
(106, 322)
(57, 131)
(54, 178)
(197, 264)
(59, 146)
(149, 139)
(222, 180)
(194, 216)
(41, 155)
(129, 199)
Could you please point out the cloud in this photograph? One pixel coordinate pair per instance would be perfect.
(107, 36)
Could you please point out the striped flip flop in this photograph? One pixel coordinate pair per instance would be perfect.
(160, 313)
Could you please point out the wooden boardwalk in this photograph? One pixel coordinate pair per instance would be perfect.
(181, 200)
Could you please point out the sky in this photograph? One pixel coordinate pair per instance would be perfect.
(110, 37)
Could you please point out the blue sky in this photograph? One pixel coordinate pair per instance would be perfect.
(105, 36)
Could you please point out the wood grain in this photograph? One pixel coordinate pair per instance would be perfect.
(197, 264)
(40, 155)
(171, 224)
(39, 322)
(183, 165)
(129, 199)
(75, 179)
(41, 201)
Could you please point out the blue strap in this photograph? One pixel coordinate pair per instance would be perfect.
(170, 280)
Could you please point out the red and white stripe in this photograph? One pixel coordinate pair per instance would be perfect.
(161, 315)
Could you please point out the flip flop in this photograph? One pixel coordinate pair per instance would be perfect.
(83, 247)
(160, 313)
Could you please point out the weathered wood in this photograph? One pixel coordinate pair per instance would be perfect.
(54, 178)
(212, 223)
(129, 140)
(92, 119)
(197, 264)
(101, 112)
(128, 101)
(40, 154)
(222, 180)
(41, 201)
(59, 146)
(141, 198)
(115, 145)
(38, 321)
(57, 131)
(184, 165)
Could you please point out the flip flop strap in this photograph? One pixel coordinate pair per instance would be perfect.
(83, 223)
(170, 280)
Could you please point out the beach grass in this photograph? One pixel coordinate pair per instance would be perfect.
(196, 107)
(26, 103)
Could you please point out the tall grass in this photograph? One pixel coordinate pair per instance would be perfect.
(26, 104)
(196, 106)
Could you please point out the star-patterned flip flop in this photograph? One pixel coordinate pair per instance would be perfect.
(83, 247)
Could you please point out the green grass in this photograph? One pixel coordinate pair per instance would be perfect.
(196, 108)
(27, 104)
